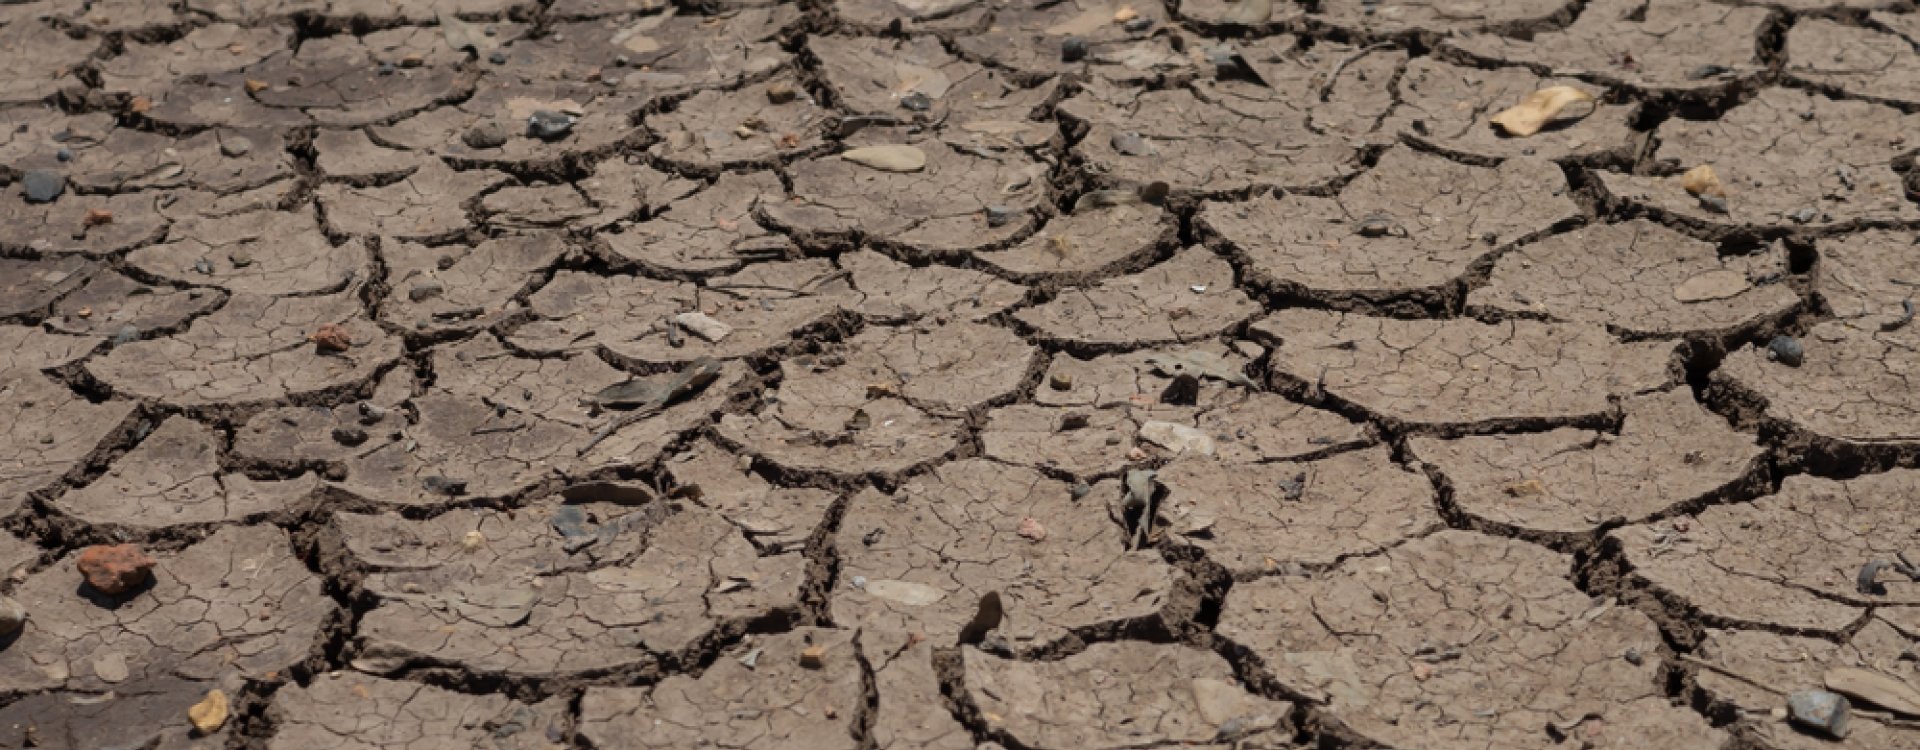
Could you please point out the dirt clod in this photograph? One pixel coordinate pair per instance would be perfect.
(115, 569)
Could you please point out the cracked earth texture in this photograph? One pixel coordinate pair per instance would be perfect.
(957, 374)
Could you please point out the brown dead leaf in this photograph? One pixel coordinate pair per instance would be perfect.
(1702, 180)
(140, 104)
(1539, 108)
(210, 714)
(1526, 488)
(97, 216)
(1125, 13)
(255, 85)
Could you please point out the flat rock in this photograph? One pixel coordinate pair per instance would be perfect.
(173, 477)
(426, 205)
(656, 585)
(1505, 634)
(892, 291)
(54, 431)
(1670, 452)
(1788, 560)
(1446, 107)
(264, 620)
(358, 712)
(1187, 298)
(775, 704)
(774, 518)
(717, 130)
(263, 253)
(947, 537)
(1414, 223)
(1829, 164)
(939, 209)
(1751, 670)
(709, 232)
(458, 288)
(1656, 46)
(1461, 373)
(252, 351)
(1283, 516)
(1120, 695)
(1089, 243)
(764, 304)
(1205, 146)
(1638, 276)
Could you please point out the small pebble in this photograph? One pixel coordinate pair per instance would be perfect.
(781, 92)
(489, 134)
(497, 58)
(548, 125)
(65, 154)
(426, 290)
(1073, 49)
(43, 185)
(235, 146)
(1080, 490)
(814, 657)
(916, 102)
(1061, 381)
(1786, 350)
(12, 617)
(999, 216)
(349, 436)
(1803, 215)
(386, 68)
(1819, 712)
(1130, 144)
(370, 414)
(1137, 24)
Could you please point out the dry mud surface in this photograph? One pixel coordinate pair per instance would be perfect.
(957, 374)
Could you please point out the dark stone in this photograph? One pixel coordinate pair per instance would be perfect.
(44, 185)
(548, 125)
(1073, 49)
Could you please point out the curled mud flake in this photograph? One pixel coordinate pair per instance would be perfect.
(1785, 560)
(1343, 638)
(235, 605)
(1449, 374)
(1412, 225)
(973, 547)
(1116, 695)
(1756, 672)
(1430, 89)
(173, 477)
(890, 290)
(1587, 479)
(1669, 40)
(778, 704)
(1543, 107)
(1642, 277)
(332, 711)
(1811, 134)
(1351, 504)
(1155, 306)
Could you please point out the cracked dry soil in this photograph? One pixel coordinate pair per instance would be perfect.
(957, 374)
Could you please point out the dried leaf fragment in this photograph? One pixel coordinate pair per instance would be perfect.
(140, 104)
(255, 86)
(1125, 13)
(1868, 686)
(888, 158)
(1539, 108)
(210, 714)
(1702, 181)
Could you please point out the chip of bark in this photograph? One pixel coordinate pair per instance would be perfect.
(115, 569)
(1819, 712)
(889, 158)
(1461, 372)
(1343, 637)
(13, 616)
(43, 185)
(1588, 478)
(548, 125)
(1786, 350)
(489, 134)
(1115, 695)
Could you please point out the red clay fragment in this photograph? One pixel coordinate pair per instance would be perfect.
(116, 569)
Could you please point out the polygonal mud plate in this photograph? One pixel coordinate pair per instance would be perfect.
(1120, 695)
(920, 561)
(1441, 18)
(1461, 375)
(252, 351)
(1642, 278)
(54, 430)
(745, 128)
(1284, 516)
(1205, 146)
(778, 519)
(1446, 107)
(1412, 225)
(235, 605)
(41, 60)
(149, 713)
(255, 253)
(909, 714)
(1656, 46)
(1028, 38)
(1826, 164)
(458, 288)
(111, 303)
(1089, 243)
(1185, 299)
(1754, 672)
(1865, 62)
(173, 477)
(667, 52)
(1851, 388)
(711, 231)
(59, 228)
(603, 120)
(357, 712)
(503, 596)
(1283, 78)
(1142, 377)
(430, 204)
(876, 76)
(144, 67)
(339, 80)
(1788, 560)
(778, 702)
(1670, 452)
(1460, 641)
(764, 305)
(891, 290)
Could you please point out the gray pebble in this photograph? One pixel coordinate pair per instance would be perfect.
(125, 334)
(1080, 490)
(65, 154)
(1803, 215)
(1786, 350)
(44, 185)
(370, 414)
(1137, 24)
(426, 290)
(1131, 144)
(1714, 203)
(349, 436)
(1073, 49)
(999, 216)
(497, 58)
(548, 125)
(12, 616)
(386, 68)
(1819, 712)
(236, 146)
(489, 134)
(916, 102)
